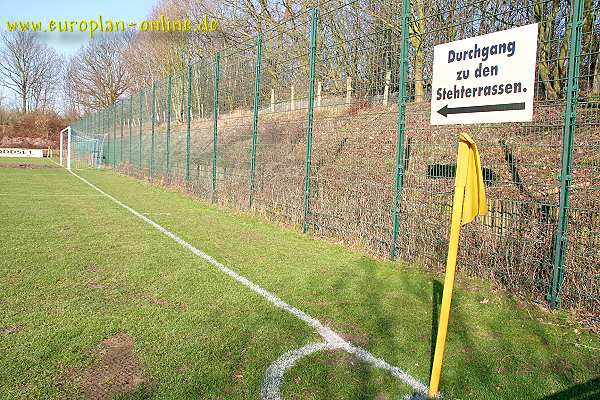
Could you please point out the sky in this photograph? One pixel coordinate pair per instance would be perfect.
(45, 10)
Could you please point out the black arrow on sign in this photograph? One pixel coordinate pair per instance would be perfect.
(478, 109)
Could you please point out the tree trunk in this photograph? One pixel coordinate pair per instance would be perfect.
(590, 47)
(546, 17)
(417, 31)
(24, 91)
(419, 87)
(596, 83)
(561, 67)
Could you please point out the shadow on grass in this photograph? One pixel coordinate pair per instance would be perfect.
(436, 290)
(381, 324)
(459, 328)
(494, 350)
(584, 391)
(377, 331)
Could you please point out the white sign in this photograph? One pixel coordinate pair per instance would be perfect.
(488, 78)
(37, 153)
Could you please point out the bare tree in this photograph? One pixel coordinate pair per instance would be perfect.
(2, 110)
(97, 75)
(30, 69)
(47, 78)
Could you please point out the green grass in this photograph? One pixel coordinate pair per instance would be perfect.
(75, 268)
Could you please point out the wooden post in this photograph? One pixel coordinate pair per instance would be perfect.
(228, 96)
(292, 107)
(319, 90)
(348, 89)
(386, 91)
(496, 216)
(486, 218)
(272, 100)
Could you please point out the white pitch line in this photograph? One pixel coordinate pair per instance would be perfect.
(273, 379)
(50, 195)
(274, 375)
(332, 339)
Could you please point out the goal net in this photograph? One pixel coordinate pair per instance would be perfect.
(82, 150)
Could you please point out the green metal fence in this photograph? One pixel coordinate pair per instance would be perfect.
(322, 121)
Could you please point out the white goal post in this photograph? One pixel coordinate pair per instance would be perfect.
(83, 150)
(61, 157)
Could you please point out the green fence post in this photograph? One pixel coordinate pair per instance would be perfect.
(90, 127)
(188, 126)
(152, 108)
(140, 166)
(255, 119)
(309, 126)
(130, 127)
(107, 135)
(560, 239)
(98, 127)
(167, 166)
(122, 123)
(399, 175)
(114, 116)
(215, 124)
(107, 129)
(93, 130)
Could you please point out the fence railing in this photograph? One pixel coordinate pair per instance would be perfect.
(323, 122)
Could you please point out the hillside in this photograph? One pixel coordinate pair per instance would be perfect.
(36, 130)
(352, 185)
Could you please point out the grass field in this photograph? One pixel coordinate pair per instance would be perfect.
(97, 303)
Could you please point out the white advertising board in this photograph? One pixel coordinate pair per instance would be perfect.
(33, 153)
(485, 79)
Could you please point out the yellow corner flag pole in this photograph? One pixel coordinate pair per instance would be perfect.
(469, 201)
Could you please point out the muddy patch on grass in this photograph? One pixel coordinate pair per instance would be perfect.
(92, 268)
(351, 332)
(93, 283)
(24, 387)
(96, 285)
(7, 330)
(115, 370)
(26, 166)
(165, 303)
(340, 359)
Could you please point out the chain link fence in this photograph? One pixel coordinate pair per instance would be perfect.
(322, 122)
